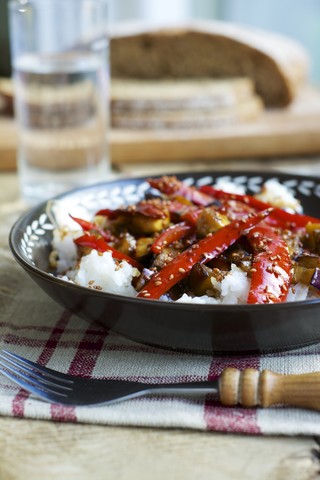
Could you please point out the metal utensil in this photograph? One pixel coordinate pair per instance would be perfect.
(248, 387)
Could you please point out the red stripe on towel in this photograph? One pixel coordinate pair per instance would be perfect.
(82, 365)
(227, 419)
(19, 400)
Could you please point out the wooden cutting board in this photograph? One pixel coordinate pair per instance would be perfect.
(280, 132)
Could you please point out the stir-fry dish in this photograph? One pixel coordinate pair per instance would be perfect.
(197, 245)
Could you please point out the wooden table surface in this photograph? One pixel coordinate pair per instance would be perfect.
(32, 450)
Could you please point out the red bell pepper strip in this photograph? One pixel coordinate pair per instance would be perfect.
(181, 212)
(99, 244)
(283, 218)
(84, 224)
(107, 212)
(191, 215)
(170, 235)
(173, 186)
(202, 251)
(271, 266)
(87, 226)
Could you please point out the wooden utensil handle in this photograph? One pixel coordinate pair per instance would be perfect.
(251, 388)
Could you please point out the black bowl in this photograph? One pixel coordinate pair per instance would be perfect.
(188, 327)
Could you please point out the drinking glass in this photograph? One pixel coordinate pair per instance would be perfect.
(59, 51)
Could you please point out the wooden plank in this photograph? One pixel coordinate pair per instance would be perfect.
(79, 452)
(291, 131)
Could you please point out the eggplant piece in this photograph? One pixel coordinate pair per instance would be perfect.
(143, 245)
(101, 221)
(240, 254)
(312, 238)
(143, 225)
(126, 243)
(138, 224)
(199, 280)
(183, 200)
(240, 257)
(307, 260)
(221, 263)
(306, 268)
(302, 274)
(210, 221)
(166, 256)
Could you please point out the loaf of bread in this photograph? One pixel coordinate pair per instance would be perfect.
(277, 65)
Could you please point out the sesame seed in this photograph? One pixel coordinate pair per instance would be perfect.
(182, 270)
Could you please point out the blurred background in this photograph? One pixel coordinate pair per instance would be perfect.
(295, 18)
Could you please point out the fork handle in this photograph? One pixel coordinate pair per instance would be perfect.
(251, 388)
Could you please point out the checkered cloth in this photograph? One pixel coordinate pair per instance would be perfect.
(32, 325)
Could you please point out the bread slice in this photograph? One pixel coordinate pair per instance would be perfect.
(246, 110)
(142, 95)
(277, 65)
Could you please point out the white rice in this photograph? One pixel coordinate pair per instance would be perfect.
(67, 230)
(298, 292)
(279, 196)
(229, 186)
(60, 214)
(65, 248)
(100, 272)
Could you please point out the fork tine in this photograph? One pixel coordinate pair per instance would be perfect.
(9, 364)
(49, 396)
(48, 372)
(36, 381)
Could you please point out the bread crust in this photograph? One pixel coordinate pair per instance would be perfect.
(277, 65)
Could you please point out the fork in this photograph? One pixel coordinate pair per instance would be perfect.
(248, 387)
